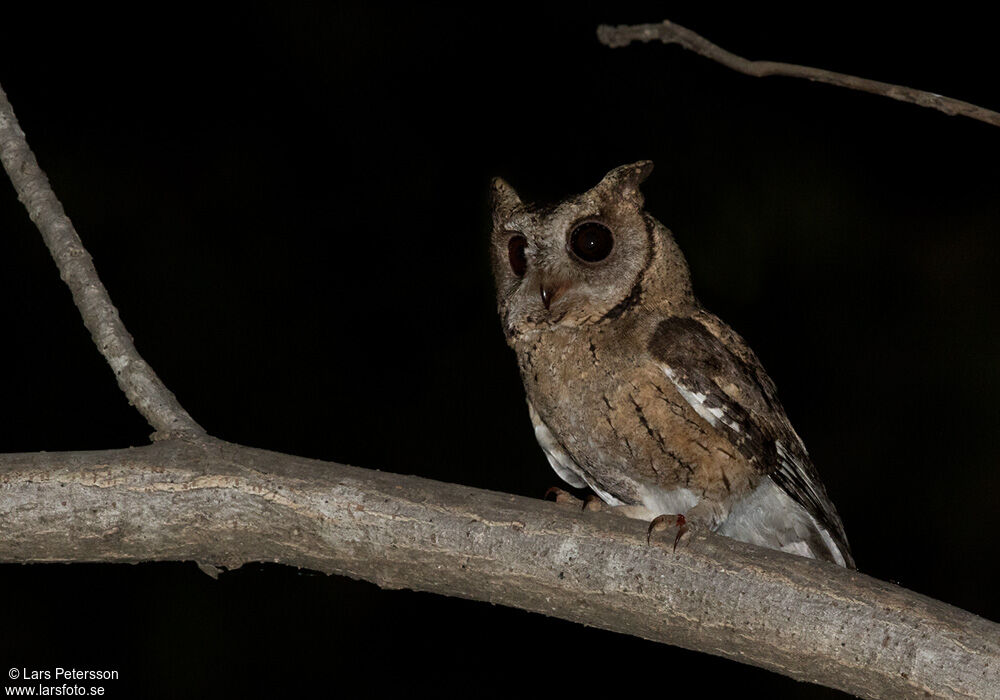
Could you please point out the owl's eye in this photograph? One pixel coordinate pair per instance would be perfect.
(591, 242)
(515, 253)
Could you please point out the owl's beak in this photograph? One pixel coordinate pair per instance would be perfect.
(551, 292)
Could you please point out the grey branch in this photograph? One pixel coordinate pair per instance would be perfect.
(136, 378)
(222, 505)
(670, 33)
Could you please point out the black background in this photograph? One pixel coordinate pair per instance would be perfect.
(289, 208)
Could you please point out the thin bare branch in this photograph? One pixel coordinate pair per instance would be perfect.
(136, 378)
(670, 33)
(222, 505)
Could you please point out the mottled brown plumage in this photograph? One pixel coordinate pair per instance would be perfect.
(634, 389)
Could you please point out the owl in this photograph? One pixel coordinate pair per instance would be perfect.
(637, 392)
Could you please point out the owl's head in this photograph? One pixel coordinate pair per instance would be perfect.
(585, 259)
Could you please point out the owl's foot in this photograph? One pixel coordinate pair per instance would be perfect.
(592, 502)
(563, 497)
(703, 517)
(666, 522)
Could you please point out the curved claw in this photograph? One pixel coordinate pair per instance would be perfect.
(664, 522)
(592, 502)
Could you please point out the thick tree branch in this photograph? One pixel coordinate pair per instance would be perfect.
(222, 505)
(135, 377)
(670, 33)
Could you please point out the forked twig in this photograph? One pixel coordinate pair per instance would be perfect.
(670, 33)
(136, 378)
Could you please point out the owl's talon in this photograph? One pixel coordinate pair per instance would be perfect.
(562, 497)
(665, 522)
(682, 530)
(592, 502)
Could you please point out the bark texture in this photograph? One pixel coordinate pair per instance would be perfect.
(222, 505)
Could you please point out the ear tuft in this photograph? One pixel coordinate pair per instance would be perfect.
(503, 200)
(624, 180)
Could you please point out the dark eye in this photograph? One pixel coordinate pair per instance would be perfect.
(515, 253)
(591, 242)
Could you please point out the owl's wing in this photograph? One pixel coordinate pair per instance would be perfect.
(723, 381)
(561, 462)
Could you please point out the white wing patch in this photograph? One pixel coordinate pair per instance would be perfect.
(714, 415)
